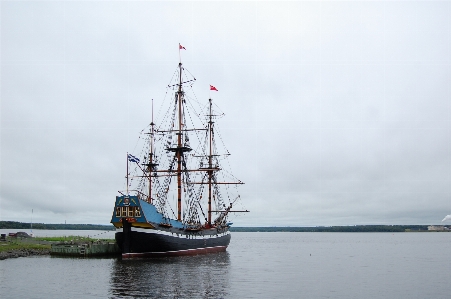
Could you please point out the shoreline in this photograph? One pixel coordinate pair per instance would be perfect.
(26, 246)
(22, 252)
(14, 247)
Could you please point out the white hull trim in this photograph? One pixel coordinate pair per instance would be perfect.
(165, 233)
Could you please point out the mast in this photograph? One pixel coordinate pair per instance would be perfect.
(179, 148)
(210, 166)
(151, 165)
(195, 207)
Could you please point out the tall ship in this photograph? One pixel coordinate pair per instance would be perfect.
(179, 192)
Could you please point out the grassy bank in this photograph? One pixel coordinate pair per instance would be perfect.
(18, 247)
(70, 239)
(23, 244)
(22, 247)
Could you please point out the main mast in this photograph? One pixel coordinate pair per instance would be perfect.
(179, 147)
(210, 165)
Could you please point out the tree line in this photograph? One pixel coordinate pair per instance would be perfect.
(25, 225)
(354, 228)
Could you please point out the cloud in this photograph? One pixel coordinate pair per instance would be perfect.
(336, 113)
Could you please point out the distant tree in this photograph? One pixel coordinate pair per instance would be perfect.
(24, 225)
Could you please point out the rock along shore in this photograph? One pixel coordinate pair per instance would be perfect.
(23, 253)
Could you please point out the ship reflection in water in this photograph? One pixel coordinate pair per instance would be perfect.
(201, 276)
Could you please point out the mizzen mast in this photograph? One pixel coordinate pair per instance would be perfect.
(151, 166)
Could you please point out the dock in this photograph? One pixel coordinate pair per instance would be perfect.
(86, 249)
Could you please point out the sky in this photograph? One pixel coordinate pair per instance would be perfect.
(337, 112)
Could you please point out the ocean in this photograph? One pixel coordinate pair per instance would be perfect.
(256, 265)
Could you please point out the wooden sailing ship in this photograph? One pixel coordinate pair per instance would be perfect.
(174, 203)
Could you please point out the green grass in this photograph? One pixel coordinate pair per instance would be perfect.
(42, 242)
(70, 238)
(19, 244)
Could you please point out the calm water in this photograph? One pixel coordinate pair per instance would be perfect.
(256, 265)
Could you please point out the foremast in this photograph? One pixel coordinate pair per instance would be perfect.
(212, 179)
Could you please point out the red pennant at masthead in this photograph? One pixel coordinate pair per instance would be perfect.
(181, 47)
(213, 88)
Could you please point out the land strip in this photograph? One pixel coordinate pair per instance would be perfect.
(21, 247)
(350, 228)
(15, 247)
(52, 226)
(330, 229)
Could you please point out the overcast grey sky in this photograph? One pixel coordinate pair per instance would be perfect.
(337, 112)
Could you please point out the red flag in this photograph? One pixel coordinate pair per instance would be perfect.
(181, 47)
(213, 88)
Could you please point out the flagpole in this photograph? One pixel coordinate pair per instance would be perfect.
(127, 173)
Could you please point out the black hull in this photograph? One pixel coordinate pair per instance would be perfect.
(141, 242)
